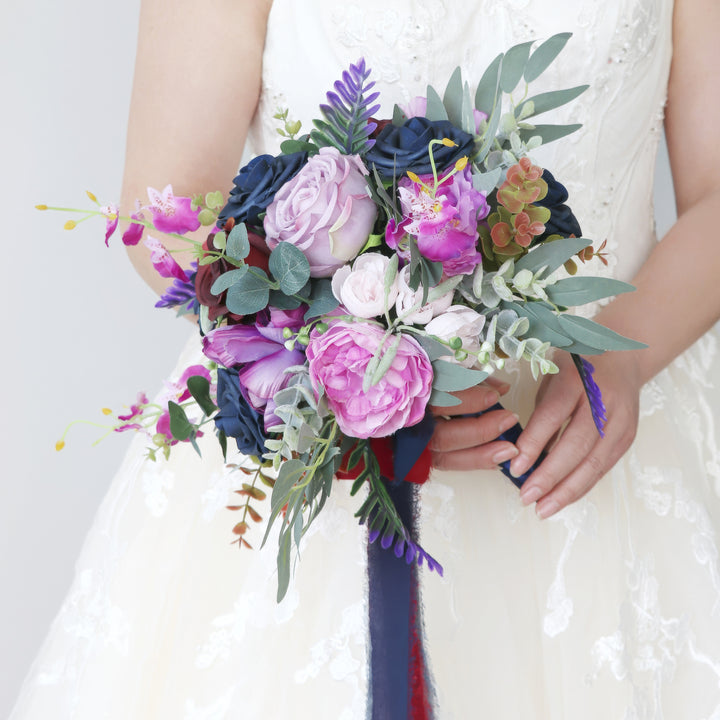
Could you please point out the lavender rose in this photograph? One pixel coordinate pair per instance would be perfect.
(338, 360)
(325, 211)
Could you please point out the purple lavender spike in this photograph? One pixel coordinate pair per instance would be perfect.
(410, 552)
(399, 548)
(180, 294)
(386, 540)
(373, 535)
(594, 396)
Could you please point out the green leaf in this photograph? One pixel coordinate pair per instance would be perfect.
(450, 377)
(486, 182)
(487, 89)
(199, 388)
(180, 427)
(548, 133)
(373, 241)
(551, 100)
(222, 439)
(321, 300)
(435, 108)
(433, 348)
(206, 217)
(551, 255)
(513, 66)
(289, 267)
(227, 279)
(390, 275)
(541, 59)
(214, 200)
(238, 245)
(596, 336)
(250, 294)
(399, 117)
(574, 291)
(438, 398)
(283, 563)
(292, 146)
(453, 98)
(282, 301)
(386, 361)
(544, 324)
(489, 134)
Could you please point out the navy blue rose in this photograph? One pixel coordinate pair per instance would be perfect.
(256, 185)
(562, 221)
(236, 418)
(403, 148)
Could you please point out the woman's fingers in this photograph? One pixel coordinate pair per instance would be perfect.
(481, 457)
(463, 433)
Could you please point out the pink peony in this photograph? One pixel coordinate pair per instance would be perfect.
(338, 359)
(325, 211)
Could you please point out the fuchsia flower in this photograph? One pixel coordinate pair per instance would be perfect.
(172, 214)
(178, 392)
(338, 359)
(260, 354)
(133, 234)
(443, 221)
(163, 261)
(136, 411)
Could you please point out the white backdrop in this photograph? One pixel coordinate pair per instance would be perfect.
(79, 329)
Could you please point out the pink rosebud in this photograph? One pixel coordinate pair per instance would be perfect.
(459, 321)
(325, 210)
(338, 359)
(163, 261)
(172, 214)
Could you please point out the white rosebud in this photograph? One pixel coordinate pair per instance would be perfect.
(459, 321)
(408, 298)
(361, 288)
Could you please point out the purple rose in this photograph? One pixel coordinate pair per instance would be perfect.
(325, 210)
(338, 359)
(256, 184)
(403, 148)
(259, 352)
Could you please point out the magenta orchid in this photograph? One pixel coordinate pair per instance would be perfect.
(163, 261)
(172, 214)
(112, 217)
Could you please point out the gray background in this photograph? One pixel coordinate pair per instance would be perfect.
(79, 331)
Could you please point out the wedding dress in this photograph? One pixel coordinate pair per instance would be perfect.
(611, 609)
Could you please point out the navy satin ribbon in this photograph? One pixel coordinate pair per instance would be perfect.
(394, 606)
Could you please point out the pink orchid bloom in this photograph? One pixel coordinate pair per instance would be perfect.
(177, 391)
(133, 234)
(163, 261)
(172, 214)
(112, 216)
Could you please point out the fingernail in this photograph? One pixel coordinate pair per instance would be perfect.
(519, 465)
(505, 454)
(547, 509)
(491, 399)
(508, 422)
(530, 495)
(503, 388)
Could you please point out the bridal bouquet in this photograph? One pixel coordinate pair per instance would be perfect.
(366, 273)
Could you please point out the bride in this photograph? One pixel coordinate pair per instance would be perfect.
(605, 601)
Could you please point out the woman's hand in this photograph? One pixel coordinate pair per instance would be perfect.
(578, 457)
(467, 443)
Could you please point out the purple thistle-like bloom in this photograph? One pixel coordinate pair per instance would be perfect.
(594, 396)
(181, 294)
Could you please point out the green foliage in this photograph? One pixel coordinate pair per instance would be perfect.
(289, 267)
(180, 426)
(249, 294)
(227, 279)
(544, 55)
(551, 255)
(321, 300)
(595, 336)
(548, 133)
(513, 66)
(486, 95)
(435, 109)
(573, 291)
(548, 101)
(199, 388)
(449, 377)
(238, 245)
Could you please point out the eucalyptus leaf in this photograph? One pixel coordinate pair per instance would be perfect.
(433, 348)
(292, 146)
(490, 132)
(289, 267)
(544, 55)
(453, 98)
(551, 255)
(435, 108)
(438, 398)
(290, 472)
(180, 427)
(283, 564)
(227, 279)
(597, 336)
(487, 89)
(513, 66)
(238, 245)
(548, 133)
(199, 388)
(399, 117)
(574, 291)
(282, 301)
(321, 300)
(544, 324)
(550, 100)
(250, 294)
(450, 377)
(487, 182)
(385, 361)
(467, 115)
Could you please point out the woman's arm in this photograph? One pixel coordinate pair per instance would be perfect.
(197, 83)
(678, 288)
